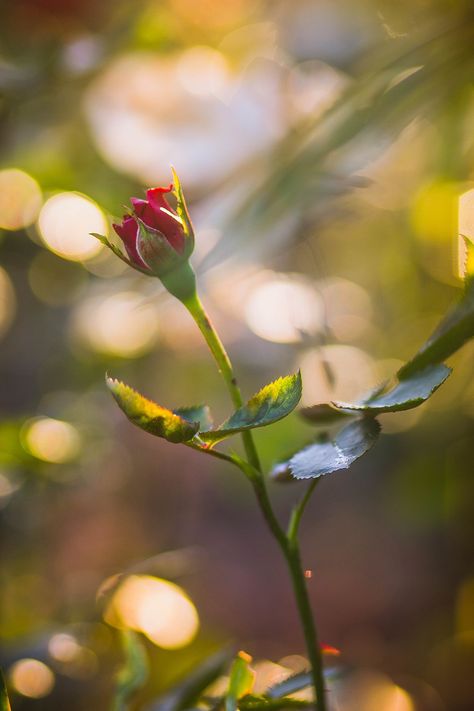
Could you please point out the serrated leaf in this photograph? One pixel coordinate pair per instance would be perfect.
(407, 394)
(272, 403)
(325, 457)
(453, 331)
(150, 416)
(196, 413)
(134, 672)
(241, 681)
(323, 414)
(187, 692)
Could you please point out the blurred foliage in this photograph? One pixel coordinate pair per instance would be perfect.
(327, 154)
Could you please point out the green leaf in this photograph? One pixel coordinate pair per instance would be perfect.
(271, 403)
(240, 682)
(134, 672)
(408, 393)
(323, 414)
(196, 413)
(188, 691)
(453, 331)
(150, 416)
(325, 457)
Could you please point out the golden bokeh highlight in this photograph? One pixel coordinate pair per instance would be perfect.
(283, 309)
(203, 70)
(373, 691)
(65, 223)
(122, 324)
(336, 372)
(7, 302)
(466, 233)
(20, 199)
(52, 440)
(158, 608)
(31, 678)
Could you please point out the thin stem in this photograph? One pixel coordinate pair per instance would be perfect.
(252, 469)
(196, 309)
(292, 555)
(297, 513)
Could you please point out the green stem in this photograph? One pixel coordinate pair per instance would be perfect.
(252, 469)
(196, 309)
(297, 513)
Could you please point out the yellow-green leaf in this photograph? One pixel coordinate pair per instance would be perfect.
(273, 402)
(150, 416)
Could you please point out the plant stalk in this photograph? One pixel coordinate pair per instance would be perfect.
(252, 469)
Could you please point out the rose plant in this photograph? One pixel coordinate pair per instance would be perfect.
(158, 241)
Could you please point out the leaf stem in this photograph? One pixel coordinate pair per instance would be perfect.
(252, 469)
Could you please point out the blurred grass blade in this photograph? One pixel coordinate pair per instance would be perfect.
(452, 333)
(4, 701)
(296, 682)
(409, 392)
(150, 416)
(134, 672)
(241, 681)
(263, 703)
(186, 694)
(273, 402)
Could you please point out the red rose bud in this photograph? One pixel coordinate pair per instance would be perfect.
(157, 239)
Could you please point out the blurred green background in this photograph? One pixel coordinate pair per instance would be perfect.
(326, 151)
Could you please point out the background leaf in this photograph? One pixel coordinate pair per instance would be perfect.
(324, 413)
(150, 416)
(324, 457)
(196, 413)
(133, 674)
(453, 331)
(271, 403)
(408, 393)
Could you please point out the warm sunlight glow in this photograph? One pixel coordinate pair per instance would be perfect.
(203, 70)
(64, 647)
(123, 324)
(466, 232)
(7, 302)
(52, 440)
(372, 691)
(31, 678)
(283, 309)
(20, 199)
(336, 372)
(65, 222)
(156, 607)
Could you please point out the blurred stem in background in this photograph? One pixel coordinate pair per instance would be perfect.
(288, 542)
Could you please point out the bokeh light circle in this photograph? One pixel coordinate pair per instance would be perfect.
(65, 223)
(52, 440)
(31, 678)
(20, 199)
(158, 608)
